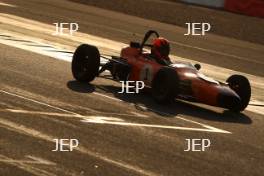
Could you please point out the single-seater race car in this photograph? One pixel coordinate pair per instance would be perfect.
(167, 81)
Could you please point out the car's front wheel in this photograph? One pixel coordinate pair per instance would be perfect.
(85, 63)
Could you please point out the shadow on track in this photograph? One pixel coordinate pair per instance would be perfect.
(80, 87)
(168, 110)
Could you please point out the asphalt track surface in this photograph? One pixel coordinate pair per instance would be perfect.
(119, 134)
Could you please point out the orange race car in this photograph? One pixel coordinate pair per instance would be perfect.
(167, 80)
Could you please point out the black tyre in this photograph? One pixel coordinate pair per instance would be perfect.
(85, 63)
(165, 85)
(241, 86)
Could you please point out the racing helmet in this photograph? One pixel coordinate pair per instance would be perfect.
(161, 48)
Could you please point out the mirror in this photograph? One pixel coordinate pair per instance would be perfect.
(197, 66)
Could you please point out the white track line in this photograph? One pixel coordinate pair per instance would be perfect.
(38, 102)
(33, 160)
(167, 114)
(25, 165)
(8, 5)
(139, 114)
(83, 117)
(106, 96)
(216, 52)
(211, 129)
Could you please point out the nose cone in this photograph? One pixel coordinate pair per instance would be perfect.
(229, 100)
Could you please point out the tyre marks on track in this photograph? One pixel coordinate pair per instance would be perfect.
(24, 130)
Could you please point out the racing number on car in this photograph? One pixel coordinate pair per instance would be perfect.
(146, 73)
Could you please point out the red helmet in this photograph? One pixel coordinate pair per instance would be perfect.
(161, 48)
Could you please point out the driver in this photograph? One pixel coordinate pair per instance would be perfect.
(160, 51)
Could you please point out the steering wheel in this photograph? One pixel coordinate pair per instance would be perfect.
(146, 37)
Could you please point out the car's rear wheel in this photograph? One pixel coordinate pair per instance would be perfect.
(165, 85)
(241, 86)
(85, 63)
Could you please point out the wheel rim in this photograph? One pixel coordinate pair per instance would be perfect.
(81, 66)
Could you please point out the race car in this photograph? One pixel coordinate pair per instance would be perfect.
(166, 81)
